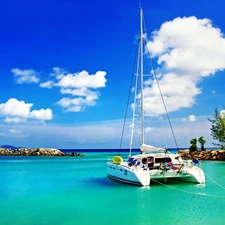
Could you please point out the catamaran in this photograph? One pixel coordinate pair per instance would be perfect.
(153, 163)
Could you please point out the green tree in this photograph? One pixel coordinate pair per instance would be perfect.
(202, 142)
(193, 146)
(218, 128)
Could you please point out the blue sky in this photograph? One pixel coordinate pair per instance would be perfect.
(66, 67)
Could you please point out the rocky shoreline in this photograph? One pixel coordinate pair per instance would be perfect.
(35, 152)
(218, 155)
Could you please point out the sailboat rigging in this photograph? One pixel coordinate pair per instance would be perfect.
(153, 163)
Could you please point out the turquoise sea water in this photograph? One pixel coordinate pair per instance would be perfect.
(75, 190)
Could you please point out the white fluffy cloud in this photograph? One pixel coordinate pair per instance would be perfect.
(191, 44)
(178, 91)
(82, 86)
(222, 113)
(14, 119)
(48, 84)
(16, 111)
(41, 114)
(192, 118)
(83, 79)
(13, 131)
(13, 107)
(25, 76)
(80, 92)
(76, 104)
(187, 50)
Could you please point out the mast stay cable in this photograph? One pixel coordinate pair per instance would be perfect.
(128, 100)
(160, 91)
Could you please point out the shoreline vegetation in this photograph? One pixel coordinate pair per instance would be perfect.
(35, 152)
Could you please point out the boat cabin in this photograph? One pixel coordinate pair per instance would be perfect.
(150, 161)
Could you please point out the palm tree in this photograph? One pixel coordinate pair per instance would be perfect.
(193, 146)
(202, 142)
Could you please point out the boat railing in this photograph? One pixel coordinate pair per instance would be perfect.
(109, 159)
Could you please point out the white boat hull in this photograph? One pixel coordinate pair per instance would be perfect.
(127, 174)
(194, 175)
(139, 176)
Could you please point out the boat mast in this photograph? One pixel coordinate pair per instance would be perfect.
(141, 76)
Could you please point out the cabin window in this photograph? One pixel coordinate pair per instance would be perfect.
(162, 160)
(150, 159)
(144, 160)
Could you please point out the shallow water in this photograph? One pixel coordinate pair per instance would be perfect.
(75, 190)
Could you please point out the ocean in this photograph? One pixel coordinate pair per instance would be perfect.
(76, 190)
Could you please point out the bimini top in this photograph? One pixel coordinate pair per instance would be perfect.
(150, 148)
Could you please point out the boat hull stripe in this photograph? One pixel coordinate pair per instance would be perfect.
(124, 180)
